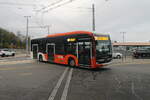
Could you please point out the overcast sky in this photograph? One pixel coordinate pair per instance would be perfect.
(112, 17)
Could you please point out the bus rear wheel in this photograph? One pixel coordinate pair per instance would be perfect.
(72, 62)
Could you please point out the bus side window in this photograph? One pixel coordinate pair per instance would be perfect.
(70, 48)
(59, 49)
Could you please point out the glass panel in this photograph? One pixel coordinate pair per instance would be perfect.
(70, 48)
(103, 46)
(84, 52)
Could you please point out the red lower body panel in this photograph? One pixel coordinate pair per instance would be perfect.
(63, 59)
(94, 65)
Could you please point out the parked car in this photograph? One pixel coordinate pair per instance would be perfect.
(1, 53)
(141, 53)
(6, 52)
(117, 55)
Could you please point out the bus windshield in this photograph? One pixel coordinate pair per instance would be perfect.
(103, 46)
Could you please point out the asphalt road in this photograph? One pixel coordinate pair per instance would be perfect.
(44, 81)
(122, 82)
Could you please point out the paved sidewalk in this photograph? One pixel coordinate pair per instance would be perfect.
(131, 61)
(17, 55)
(21, 55)
(16, 62)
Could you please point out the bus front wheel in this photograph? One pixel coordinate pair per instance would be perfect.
(72, 62)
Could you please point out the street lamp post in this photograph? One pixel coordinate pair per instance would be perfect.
(123, 39)
(123, 36)
(27, 32)
(93, 17)
(48, 28)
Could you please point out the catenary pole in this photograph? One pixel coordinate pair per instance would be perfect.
(27, 33)
(93, 17)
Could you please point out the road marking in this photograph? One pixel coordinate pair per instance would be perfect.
(5, 69)
(15, 68)
(53, 94)
(65, 91)
(16, 62)
(25, 74)
(118, 64)
(133, 91)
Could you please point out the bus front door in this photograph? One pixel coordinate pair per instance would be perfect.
(35, 51)
(50, 51)
(84, 53)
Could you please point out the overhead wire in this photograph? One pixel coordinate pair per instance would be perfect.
(54, 7)
(14, 4)
(57, 6)
(42, 14)
(52, 4)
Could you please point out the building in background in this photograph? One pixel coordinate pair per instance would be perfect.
(129, 46)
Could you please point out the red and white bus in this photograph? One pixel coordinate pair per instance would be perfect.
(78, 48)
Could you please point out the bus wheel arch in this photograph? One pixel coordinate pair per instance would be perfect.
(71, 62)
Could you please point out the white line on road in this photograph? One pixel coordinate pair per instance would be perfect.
(65, 91)
(26, 74)
(53, 94)
(15, 62)
(133, 91)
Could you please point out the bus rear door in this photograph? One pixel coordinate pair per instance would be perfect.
(35, 50)
(51, 51)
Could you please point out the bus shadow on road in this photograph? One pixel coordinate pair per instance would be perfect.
(87, 72)
(92, 73)
(81, 67)
(91, 69)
